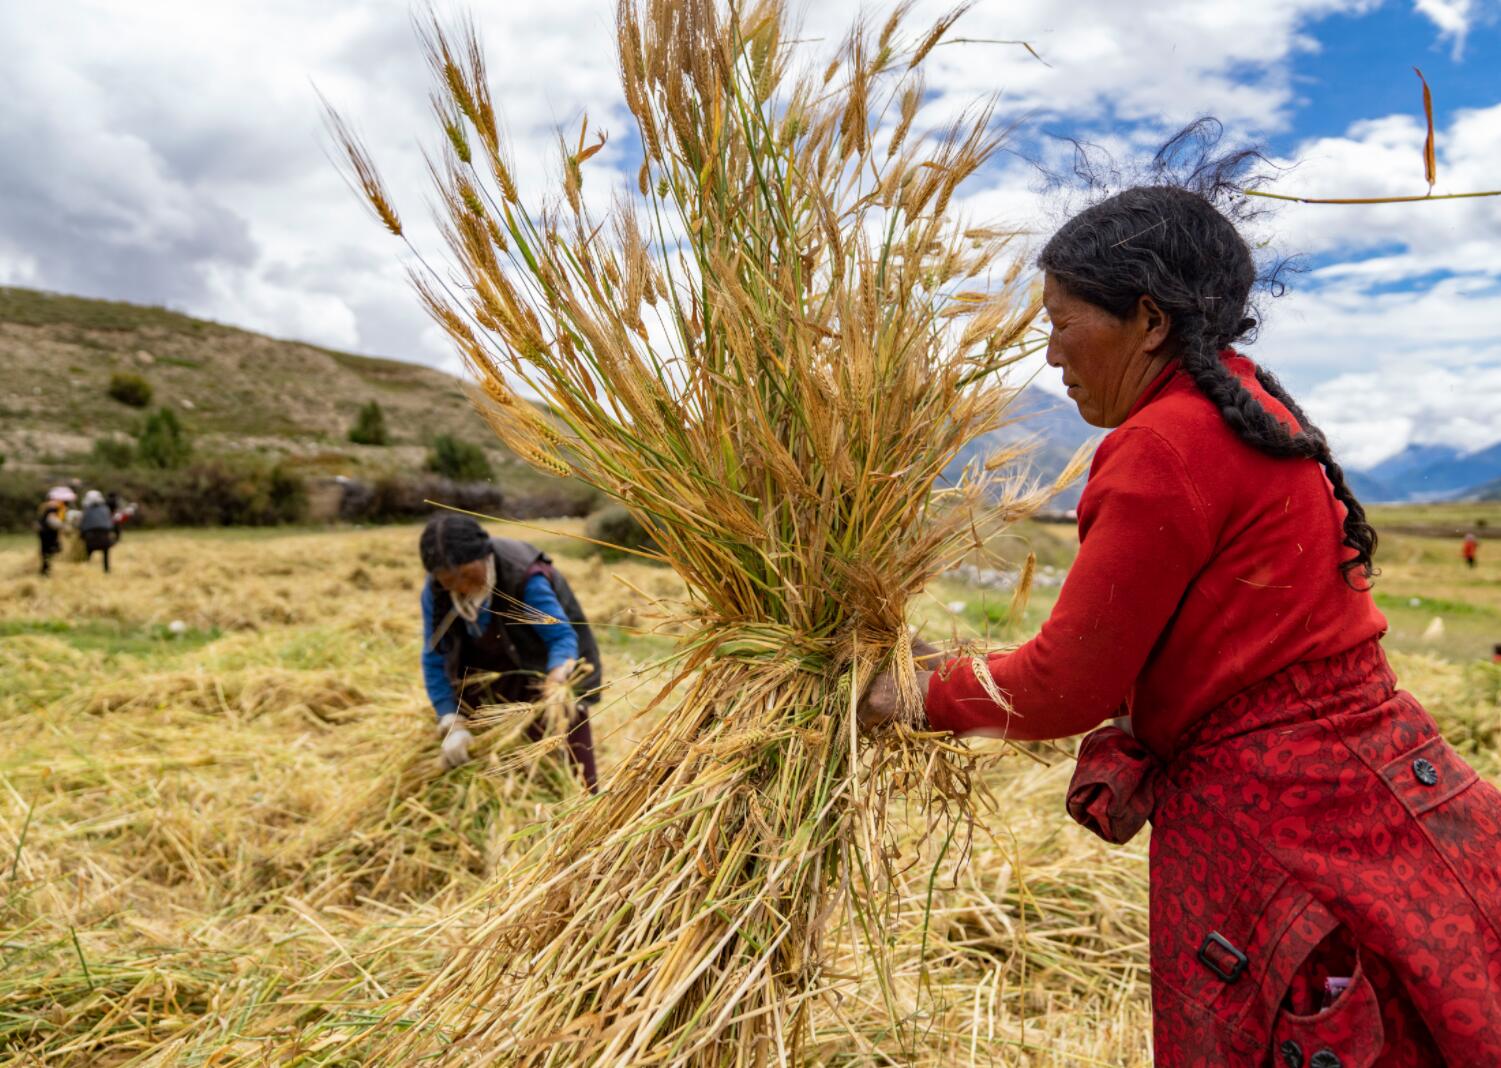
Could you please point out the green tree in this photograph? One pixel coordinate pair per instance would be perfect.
(130, 389)
(163, 441)
(370, 426)
(458, 460)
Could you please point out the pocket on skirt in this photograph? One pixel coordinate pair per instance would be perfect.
(1347, 1032)
(1231, 932)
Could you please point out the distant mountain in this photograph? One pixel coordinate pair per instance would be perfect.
(1434, 472)
(1052, 426)
(1396, 470)
(1367, 488)
(1418, 472)
(1491, 491)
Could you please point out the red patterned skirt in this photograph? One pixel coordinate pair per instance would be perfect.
(1325, 876)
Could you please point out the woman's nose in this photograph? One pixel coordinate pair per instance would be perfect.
(1050, 354)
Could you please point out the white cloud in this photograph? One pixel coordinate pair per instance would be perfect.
(1160, 64)
(172, 154)
(1452, 17)
(1418, 401)
(1395, 338)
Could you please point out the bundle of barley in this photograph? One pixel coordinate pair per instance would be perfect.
(769, 356)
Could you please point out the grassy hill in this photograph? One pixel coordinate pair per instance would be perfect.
(239, 393)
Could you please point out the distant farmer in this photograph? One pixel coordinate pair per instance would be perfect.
(1469, 549)
(1325, 869)
(50, 519)
(500, 625)
(112, 499)
(97, 526)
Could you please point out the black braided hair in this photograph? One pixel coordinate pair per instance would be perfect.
(1173, 245)
(451, 540)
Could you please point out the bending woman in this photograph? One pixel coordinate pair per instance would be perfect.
(1325, 869)
(499, 624)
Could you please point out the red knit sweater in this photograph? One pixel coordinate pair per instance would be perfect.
(1204, 567)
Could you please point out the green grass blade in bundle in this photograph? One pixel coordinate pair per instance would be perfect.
(768, 353)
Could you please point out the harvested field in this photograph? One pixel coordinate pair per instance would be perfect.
(220, 846)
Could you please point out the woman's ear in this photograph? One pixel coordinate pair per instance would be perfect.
(1157, 325)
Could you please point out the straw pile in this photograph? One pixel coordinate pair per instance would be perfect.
(768, 356)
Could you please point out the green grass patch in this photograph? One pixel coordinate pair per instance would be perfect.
(110, 638)
(1443, 606)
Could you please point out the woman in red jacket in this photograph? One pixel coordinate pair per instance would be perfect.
(1325, 869)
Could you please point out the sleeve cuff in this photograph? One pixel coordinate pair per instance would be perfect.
(956, 702)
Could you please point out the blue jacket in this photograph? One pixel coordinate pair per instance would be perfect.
(538, 594)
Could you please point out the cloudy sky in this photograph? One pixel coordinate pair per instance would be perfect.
(170, 152)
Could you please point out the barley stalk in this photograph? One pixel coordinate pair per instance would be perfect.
(769, 358)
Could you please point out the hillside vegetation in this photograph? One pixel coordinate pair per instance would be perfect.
(241, 395)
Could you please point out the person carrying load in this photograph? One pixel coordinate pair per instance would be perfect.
(50, 520)
(98, 527)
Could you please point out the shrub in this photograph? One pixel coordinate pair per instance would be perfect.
(287, 492)
(552, 499)
(461, 461)
(208, 493)
(370, 426)
(222, 493)
(20, 498)
(619, 530)
(113, 452)
(163, 441)
(130, 389)
(398, 497)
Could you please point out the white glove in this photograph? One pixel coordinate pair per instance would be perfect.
(456, 739)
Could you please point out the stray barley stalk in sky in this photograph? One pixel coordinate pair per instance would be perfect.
(769, 356)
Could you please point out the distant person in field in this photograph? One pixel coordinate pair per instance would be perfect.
(98, 527)
(124, 513)
(500, 624)
(1469, 549)
(51, 517)
(1325, 868)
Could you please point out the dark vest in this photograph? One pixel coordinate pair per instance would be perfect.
(509, 647)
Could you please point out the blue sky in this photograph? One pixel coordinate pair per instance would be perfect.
(1363, 67)
(169, 151)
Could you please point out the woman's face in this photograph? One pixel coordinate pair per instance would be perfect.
(466, 580)
(1106, 362)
